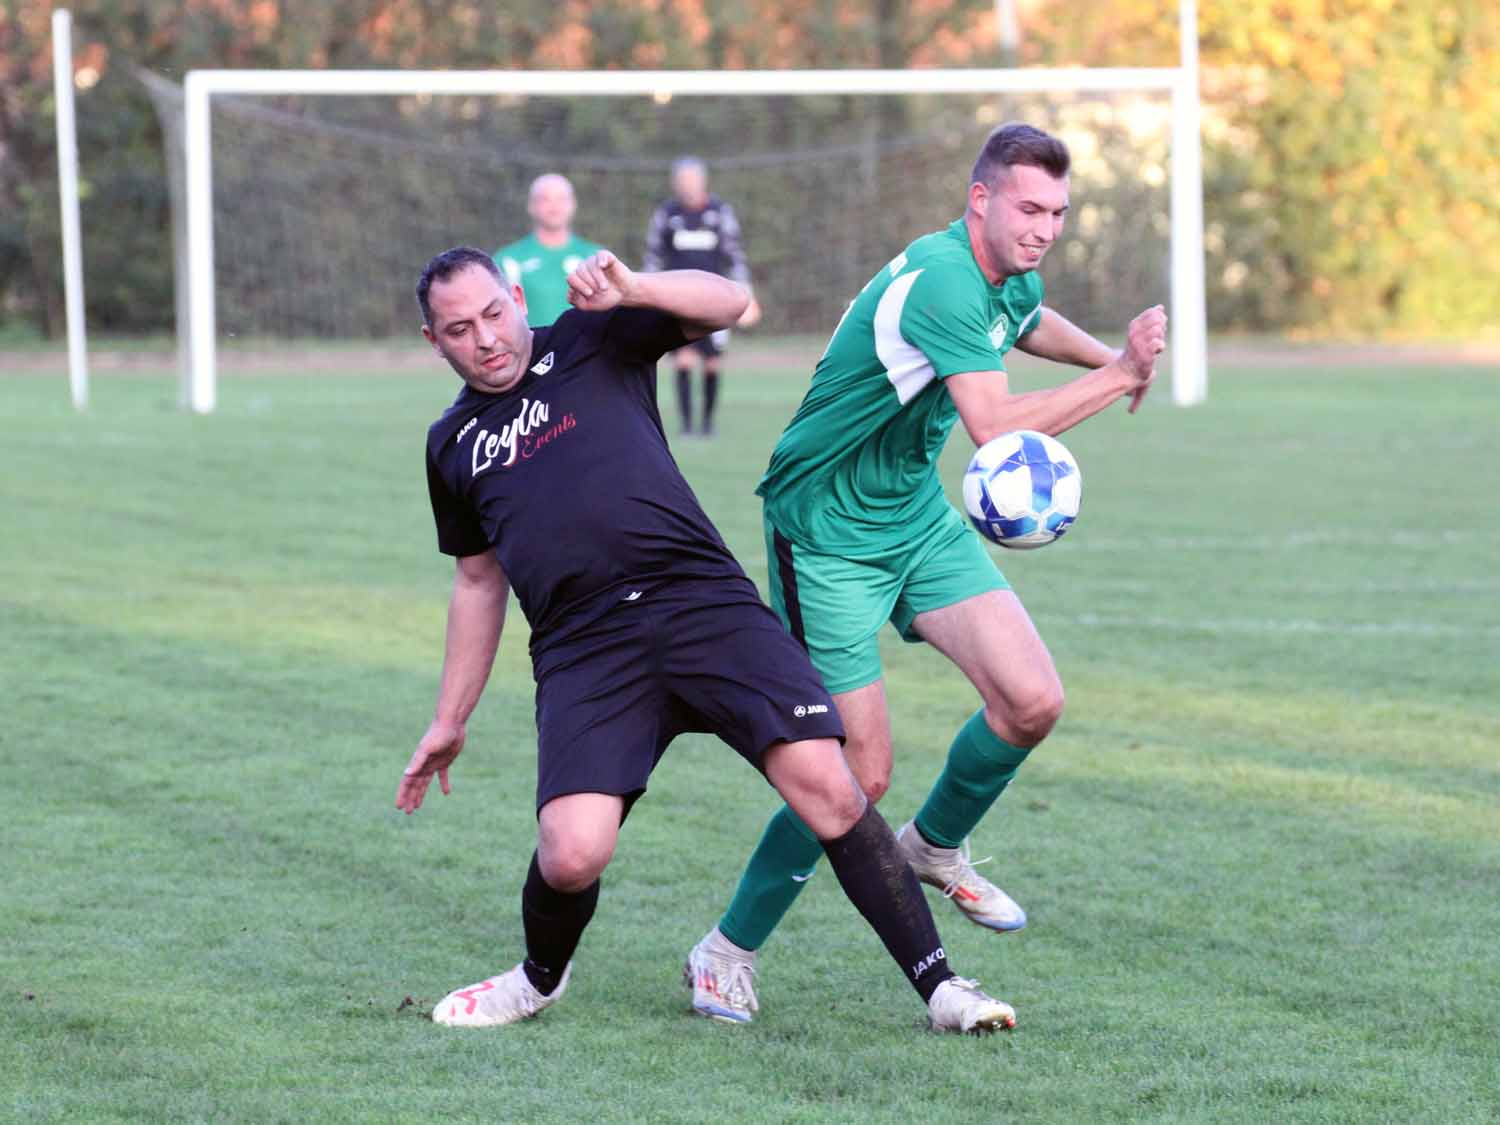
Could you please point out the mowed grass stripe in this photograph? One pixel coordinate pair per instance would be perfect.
(1257, 860)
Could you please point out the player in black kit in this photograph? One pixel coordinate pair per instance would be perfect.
(697, 230)
(550, 474)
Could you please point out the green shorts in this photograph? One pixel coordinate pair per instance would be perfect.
(835, 606)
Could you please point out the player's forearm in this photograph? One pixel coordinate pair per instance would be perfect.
(1051, 411)
(1057, 338)
(695, 297)
(476, 616)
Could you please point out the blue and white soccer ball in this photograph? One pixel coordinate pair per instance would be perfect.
(1023, 489)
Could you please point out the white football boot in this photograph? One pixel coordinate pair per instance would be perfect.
(951, 870)
(508, 998)
(958, 1005)
(722, 977)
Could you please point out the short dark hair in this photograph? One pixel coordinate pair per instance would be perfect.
(445, 265)
(1014, 143)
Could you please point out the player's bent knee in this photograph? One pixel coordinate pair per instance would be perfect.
(872, 771)
(572, 859)
(813, 778)
(832, 814)
(576, 836)
(1029, 719)
(571, 867)
(870, 760)
(1049, 708)
(876, 787)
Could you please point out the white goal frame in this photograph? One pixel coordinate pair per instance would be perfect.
(1188, 339)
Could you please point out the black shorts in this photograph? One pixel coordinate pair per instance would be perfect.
(702, 655)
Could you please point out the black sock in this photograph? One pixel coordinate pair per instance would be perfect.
(685, 396)
(554, 922)
(710, 397)
(875, 876)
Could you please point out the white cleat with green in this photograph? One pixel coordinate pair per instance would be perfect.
(951, 871)
(722, 977)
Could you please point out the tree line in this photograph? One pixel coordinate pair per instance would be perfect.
(1351, 147)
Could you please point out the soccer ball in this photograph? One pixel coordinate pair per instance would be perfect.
(1022, 489)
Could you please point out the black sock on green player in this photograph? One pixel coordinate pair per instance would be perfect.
(979, 767)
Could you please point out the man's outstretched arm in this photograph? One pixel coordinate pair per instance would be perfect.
(1057, 338)
(476, 615)
(988, 409)
(703, 302)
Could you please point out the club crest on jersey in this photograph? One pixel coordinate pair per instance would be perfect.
(543, 365)
(1000, 331)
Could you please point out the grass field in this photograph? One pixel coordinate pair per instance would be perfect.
(1261, 854)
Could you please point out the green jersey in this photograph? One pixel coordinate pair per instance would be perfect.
(855, 470)
(542, 273)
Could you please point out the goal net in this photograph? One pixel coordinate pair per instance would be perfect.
(324, 209)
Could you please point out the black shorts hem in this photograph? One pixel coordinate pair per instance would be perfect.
(630, 796)
(690, 657)
(807, 732)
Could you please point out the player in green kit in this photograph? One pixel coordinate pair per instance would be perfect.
(540, 262)
(858, 531)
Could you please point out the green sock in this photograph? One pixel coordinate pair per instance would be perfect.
(980, 766)
(781, 863)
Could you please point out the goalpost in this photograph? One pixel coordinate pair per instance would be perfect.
(67, 184)
(1188, 335)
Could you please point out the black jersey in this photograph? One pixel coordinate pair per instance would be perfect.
(680, 239)
(567, 475)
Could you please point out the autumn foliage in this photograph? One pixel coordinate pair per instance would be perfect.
(1352, 147)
